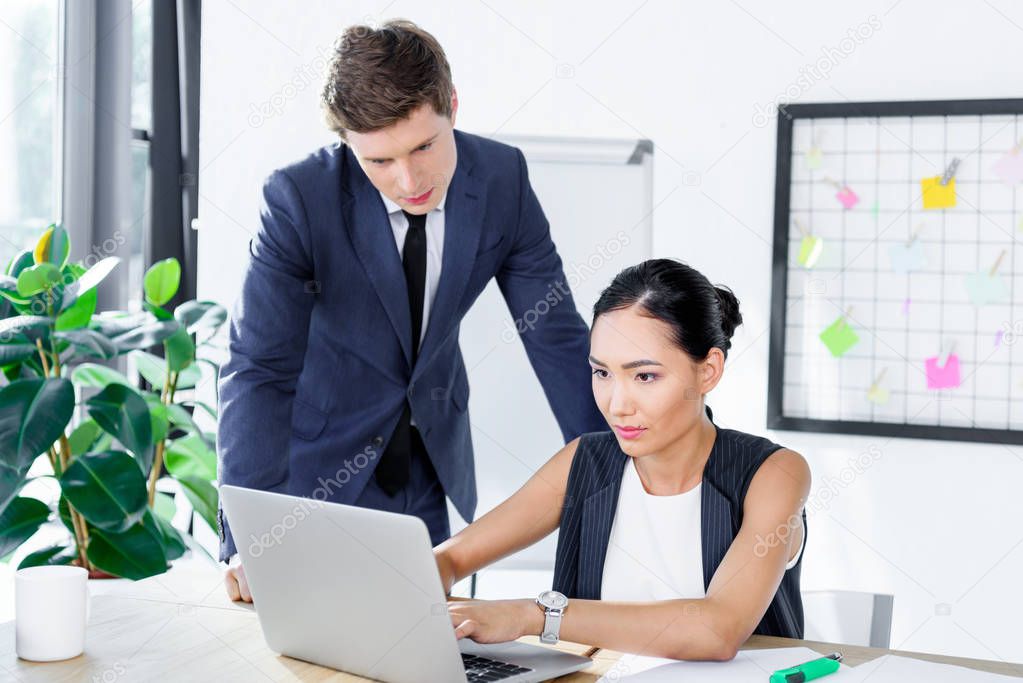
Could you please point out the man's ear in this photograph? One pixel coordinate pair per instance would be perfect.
(454, 105)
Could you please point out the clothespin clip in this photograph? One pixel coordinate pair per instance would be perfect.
(950, 171)
(997, 263)
(877, 394)
(879, 379)
(944, 355)
(915, 233)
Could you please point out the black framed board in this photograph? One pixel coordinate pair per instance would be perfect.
(897, 281)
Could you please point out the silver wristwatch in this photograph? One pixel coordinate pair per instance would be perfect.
(553, 605)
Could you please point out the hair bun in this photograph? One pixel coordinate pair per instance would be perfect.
(730, 316)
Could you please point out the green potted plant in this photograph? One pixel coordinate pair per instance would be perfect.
(106, 442)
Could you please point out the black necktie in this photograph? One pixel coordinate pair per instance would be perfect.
(392, 471)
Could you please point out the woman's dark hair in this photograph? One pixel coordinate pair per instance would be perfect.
(700, 315)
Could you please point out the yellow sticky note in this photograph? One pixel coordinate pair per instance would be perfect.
(878, 395)
(936, 195)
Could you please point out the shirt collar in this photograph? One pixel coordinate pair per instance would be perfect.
(393, 207)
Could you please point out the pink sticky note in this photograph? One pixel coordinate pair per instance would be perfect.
(946, 377)
(847, 197)
(1010, 167)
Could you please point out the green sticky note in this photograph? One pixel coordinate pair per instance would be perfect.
(810, 250)
(839, 337)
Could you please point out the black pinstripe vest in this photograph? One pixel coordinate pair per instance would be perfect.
(592, 498)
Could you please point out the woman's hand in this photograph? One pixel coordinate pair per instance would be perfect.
(495, 621)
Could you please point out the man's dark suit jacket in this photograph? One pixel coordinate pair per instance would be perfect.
(320, 339)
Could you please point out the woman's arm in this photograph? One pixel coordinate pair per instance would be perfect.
(531, 513)
(713, 627)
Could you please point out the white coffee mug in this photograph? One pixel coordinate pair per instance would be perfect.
(50, 611)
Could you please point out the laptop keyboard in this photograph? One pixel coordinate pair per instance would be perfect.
(484, 669)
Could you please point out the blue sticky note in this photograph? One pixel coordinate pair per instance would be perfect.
(985, 288)
(907, 257)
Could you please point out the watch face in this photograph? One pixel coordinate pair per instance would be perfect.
(553, 600)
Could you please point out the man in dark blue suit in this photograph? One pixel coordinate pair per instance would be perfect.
(345, 380)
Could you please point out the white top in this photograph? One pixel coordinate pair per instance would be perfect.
(434, 248)
(655, 551)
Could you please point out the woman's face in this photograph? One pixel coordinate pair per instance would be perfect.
(649, 390)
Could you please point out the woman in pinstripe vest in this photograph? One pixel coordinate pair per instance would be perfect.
(677, 538)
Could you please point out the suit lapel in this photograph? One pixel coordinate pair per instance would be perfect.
(715, 516)
(370, 231)
(463, 224)
(595, 533)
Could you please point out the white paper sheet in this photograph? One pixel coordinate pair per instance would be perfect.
(748, 665)
(895, 669)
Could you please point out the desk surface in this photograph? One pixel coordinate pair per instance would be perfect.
(181, 626)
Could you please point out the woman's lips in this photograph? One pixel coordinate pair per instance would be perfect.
(629, 432)
(421, 199)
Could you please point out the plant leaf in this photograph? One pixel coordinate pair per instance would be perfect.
(94, 375)
(203, 497)
(11, 482)
(22, 518)
(161, 281)
(88, 280)
(83, 436)
(33, 415)
(90, 343)
(147, 335)
(180, 350)
(123, 413)
(54, 555)
(133, 554)
(200, 316)
(31, 326)
(164, 506)
(157, 416)
(38, 278)
(190, 456)
(173, 544)
(107, 488)
(79, 313)
(15, 349)
(53, 246)
(21, 261)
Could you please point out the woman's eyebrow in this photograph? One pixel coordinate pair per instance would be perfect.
(628, 366)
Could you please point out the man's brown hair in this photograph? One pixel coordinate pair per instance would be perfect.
(378, 76)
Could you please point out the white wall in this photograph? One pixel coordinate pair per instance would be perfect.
(937, 524)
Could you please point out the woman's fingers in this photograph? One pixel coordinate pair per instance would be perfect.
(465, 629)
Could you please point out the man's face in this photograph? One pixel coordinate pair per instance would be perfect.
(412, 161)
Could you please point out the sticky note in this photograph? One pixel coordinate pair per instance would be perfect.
(985, 288)
(1009, 168)
(847, 197)
(878, 395)
(942, 377)
(876, 208)
(839, 337)
(907, 257)
(999, 335)
(936, 195)
(905, 307)
(810, 250)
(814, 157)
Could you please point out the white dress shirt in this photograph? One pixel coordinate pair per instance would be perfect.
(655, 551)
(434, 248)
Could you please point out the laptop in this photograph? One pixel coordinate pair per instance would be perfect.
(358, 590)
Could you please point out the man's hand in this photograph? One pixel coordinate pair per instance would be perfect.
(495, 621)
(236, 584)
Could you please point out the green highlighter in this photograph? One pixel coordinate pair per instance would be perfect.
(808, 671)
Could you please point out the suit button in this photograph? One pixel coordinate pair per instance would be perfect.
(378, 441)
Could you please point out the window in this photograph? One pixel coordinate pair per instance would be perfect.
(29, 123)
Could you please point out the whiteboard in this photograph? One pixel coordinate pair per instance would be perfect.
(897, 270)
(598, 197)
